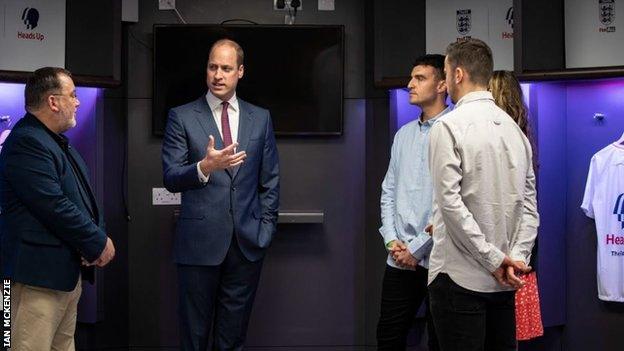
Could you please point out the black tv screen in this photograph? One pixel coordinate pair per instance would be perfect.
(296, 72)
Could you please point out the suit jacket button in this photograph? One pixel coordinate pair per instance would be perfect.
(233, 188)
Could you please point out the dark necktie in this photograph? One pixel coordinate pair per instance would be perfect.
(225, 125)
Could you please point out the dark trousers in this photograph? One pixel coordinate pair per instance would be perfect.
(472, 321)
(402, 293)
(223, 293)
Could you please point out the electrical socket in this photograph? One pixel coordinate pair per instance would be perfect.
(287, 7)
(166, 4)
(160, 196)
(326, 5)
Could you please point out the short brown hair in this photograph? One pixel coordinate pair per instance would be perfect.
(41, 83)
(240, 55)
(473, 55)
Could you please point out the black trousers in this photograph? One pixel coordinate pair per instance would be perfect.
(403, 292)
(467, 320)
(223, 293)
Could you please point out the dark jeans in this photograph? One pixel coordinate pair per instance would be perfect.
(223, 294)
(468, 320)
(402, 293)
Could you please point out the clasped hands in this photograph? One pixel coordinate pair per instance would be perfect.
(510, 272)
(401, 255)
(220, 159)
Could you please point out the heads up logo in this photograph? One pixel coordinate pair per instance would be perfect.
(30, 16)
(619, 209)
(509, 19)
(509, 16)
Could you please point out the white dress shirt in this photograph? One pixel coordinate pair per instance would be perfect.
(216, 107)
(484, 193)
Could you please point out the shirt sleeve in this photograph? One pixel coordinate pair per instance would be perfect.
(202, 178)
(588, 199)
(446, 171)
(525, 239)
(179, 172)
(420, 246)
(388, 207)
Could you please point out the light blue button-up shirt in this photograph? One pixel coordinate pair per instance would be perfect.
(406, 192)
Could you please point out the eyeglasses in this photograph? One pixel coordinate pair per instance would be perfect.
(72, 96)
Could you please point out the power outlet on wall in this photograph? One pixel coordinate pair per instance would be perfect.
(166, 4)
(160, 196)
(284, 5)
(326, 5)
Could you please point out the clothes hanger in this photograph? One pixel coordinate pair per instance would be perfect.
(621, 140)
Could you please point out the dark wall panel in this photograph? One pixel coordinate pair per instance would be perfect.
(548, 104)
(378, 143)
(542, 31)
(309, 293)
(93, 38)
(399, 36)
(111, 330)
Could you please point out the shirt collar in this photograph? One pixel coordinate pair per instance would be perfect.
(432, 120)
(214, 102)
(475, 96)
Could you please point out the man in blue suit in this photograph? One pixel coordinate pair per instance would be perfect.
(220, 152)
(50, 220)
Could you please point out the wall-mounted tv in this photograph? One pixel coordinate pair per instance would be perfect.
(294, 71)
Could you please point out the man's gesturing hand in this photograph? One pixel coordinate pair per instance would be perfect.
(220, 159)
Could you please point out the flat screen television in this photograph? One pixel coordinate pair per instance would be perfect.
(296, 72)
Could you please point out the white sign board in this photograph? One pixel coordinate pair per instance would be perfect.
(32, 34)
(488, 20)
(593, 37)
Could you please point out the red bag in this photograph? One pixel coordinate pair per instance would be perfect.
(528, 314)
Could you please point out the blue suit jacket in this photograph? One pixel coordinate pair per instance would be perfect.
(242, 201)
(47, 223)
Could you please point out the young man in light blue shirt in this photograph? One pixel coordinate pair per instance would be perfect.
(406, 199)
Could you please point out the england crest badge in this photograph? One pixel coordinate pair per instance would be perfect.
(606, 11)
(464, 18)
